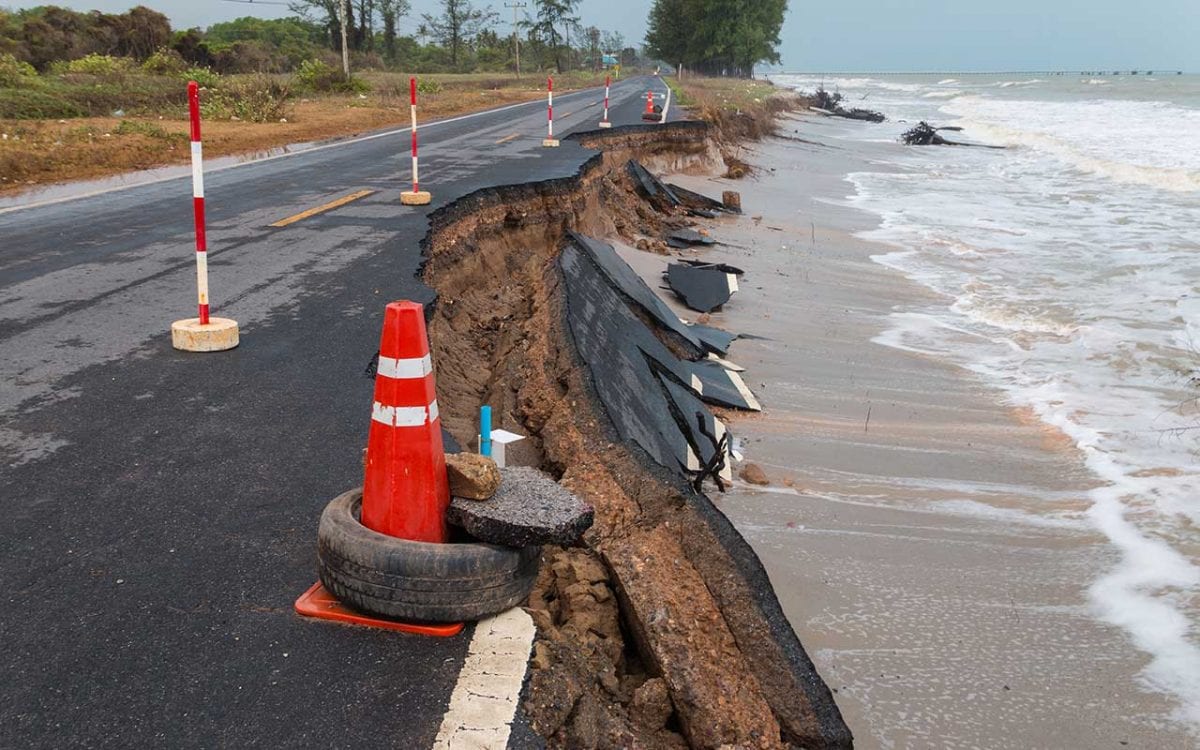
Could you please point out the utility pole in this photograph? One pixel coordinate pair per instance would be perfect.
(516, 39)
(345, 48)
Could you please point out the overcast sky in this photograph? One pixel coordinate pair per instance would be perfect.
(871, 35)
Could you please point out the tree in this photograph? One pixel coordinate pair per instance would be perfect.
(327, 14)
(613, 42)
(671, 27)
(555, 21)
(391, 11)
(593, 36)
(294, 38)
(719, 37)
(457, 25)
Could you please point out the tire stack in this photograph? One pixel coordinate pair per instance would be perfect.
(417, 581)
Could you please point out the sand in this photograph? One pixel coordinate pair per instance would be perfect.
(925, 538)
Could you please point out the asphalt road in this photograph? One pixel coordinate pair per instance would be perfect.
(159, 509)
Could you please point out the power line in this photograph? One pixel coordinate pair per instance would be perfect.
(256, 2)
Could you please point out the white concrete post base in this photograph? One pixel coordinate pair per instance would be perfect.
(409, 198)
(551, 143)
(606, 124)
(218, 335)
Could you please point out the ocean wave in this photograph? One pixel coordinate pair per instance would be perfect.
(1120, 140)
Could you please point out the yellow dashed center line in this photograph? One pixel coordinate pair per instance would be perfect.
(508, 138)
(322, 209)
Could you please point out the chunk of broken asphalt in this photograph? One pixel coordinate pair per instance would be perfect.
(702, 288)
(687, 237)
(529, 509)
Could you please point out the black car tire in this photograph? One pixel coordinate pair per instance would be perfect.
(417, 581)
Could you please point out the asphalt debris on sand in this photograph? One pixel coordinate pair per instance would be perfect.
(659, 194)
(639, 381)
(723, 386)
(529, 509)
(698, 340)
(703, 288)
(683, 238)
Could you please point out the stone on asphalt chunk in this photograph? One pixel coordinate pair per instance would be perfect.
(472, 476)
(529, 509)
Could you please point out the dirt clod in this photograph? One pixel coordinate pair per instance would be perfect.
(754, 474)
(652, 705)
(472, 476)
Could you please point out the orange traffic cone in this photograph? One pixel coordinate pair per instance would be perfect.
(650, 114)
(406, 491)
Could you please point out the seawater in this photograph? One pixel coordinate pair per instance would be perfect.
(1068, 272)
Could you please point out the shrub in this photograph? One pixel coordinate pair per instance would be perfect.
(14, 72)
(425, 86)
(101, 66)
(165, 61)
(317, 75)
(206, 77)
(259, 99)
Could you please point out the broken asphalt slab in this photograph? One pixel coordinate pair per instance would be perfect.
(699, 340)
(634, 374)
(530, 509)
(702, 288)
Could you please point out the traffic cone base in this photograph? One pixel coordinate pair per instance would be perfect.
(319, 604)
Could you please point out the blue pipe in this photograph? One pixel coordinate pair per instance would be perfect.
(485, 430)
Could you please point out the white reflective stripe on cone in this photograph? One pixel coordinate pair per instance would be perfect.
(405, 369)
(404, 416)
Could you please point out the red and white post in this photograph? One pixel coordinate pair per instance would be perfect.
(415, 197)
(202, 333)
(607, 84)
(551, 141)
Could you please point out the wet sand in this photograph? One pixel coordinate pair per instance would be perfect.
(926, 540)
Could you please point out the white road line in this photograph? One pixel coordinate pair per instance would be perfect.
(484, 702)
(314, 149)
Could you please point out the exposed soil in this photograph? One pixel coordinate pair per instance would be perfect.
(662, 631)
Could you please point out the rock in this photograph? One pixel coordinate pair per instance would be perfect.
(704, 319)
(651, 705)
(472, 476)
(528, 509)
(541, 656)
(753, 474)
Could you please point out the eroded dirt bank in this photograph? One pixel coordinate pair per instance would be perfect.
(663, 630)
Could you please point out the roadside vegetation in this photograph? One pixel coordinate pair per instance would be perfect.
(739, 110)
(90, 94)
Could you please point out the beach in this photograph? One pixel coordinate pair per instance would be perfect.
(928, 536)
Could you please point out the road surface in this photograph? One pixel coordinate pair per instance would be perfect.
(159, 509)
